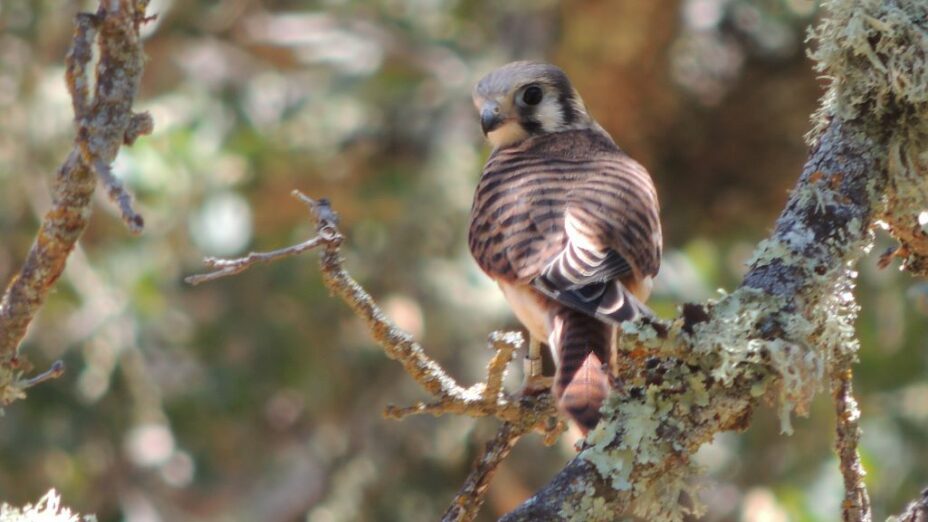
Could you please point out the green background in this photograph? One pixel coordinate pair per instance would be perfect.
(258, 397)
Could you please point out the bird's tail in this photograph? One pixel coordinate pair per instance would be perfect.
(581, 384)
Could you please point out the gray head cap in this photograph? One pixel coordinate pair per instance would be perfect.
(517, 74)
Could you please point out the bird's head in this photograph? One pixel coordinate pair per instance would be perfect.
(523, 99)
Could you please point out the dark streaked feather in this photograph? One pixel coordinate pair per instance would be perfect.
(528, 195)
(609, 301)
(576, 267)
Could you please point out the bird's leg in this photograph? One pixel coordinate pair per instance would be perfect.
(535, 380)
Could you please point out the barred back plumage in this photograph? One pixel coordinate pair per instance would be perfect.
(566, 223)
(530, 191)
(573, 216)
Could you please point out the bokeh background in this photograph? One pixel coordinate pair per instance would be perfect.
(258, 398)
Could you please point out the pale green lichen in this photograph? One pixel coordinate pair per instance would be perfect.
(873, 52)
(11, 386)
(661, 497)
(590, 508)
(644, 332)
(613, 463)
(637, 439)
(732, 338)
(47, 509)
(752, 340)
(769, 250)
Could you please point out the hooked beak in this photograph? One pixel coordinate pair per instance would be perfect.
(490, 117)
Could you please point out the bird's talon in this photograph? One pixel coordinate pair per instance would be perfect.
(537, 385)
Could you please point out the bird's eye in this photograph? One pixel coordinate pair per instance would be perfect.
(532, 95)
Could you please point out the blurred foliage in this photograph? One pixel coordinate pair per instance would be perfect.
(259, 397)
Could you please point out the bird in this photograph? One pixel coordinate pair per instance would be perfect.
(567, 224)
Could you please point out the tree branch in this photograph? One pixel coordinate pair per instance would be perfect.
(856, 505)
(103, 123)
(470, 497)
(520, 414)
(773, 337)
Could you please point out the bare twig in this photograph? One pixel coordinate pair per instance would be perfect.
(470, 497)
(487, 398)
(118, 194)
(228, 267)
(326, 227)
(104, 122)
(856, 505)
(53, 372)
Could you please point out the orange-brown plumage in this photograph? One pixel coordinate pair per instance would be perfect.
(565, 222)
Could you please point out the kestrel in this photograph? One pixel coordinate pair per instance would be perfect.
(566, 223)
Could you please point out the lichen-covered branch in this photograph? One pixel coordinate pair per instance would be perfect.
(878, 52)
(773, 338)
(856, 505)
(467, 502)
(789, 327)
(104, 121)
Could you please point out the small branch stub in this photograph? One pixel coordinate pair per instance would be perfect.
(53, 372)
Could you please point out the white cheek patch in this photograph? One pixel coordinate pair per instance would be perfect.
(549, 115)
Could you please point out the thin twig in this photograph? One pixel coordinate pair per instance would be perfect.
(53, 372)
(470, 497)
(856, 505)
(505, 345)
(229, 267)
(118, 194)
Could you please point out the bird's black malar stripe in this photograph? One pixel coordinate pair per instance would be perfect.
(566, 100)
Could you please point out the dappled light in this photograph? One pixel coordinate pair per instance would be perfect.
(262, 397)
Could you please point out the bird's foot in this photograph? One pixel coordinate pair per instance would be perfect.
(533, 369)
(536, 384)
